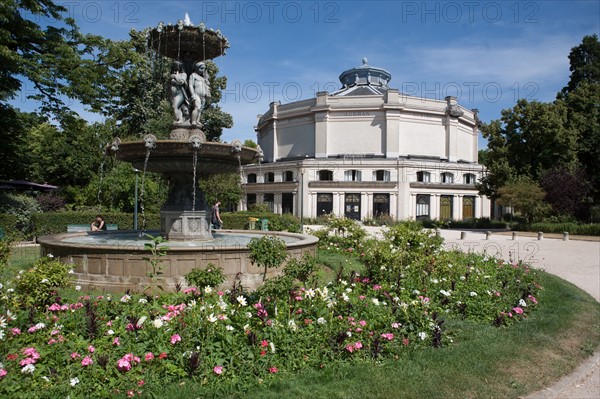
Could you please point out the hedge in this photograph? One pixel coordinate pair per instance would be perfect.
(592, 229)
(482, 223)
(240, 221)
(8, 223)
(56, 222)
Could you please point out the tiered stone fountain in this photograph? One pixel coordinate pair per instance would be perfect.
(115, 260)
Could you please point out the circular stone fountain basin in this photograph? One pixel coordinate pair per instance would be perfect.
(113, 261)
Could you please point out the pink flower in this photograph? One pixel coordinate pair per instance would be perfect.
(405, 341)
(361, 297)
(350, 348)
(388, 336)
(273, 370)
(220, 293)
(362, 323)
(264, 343)
(75, 355)
(27, 361)
(357, 345)
(533, 299)
(518, 310)
(218, 370)
(163, 355)
(141, 383)
(54, 307)
(91, 349)
(376, 287)
(395, 325)
(130, 393)
(3, 373)
(87, 361)
(52, 341)
(16, 331)
(123, 365)
(175, 338)
(32, 352)
(116, 341)
(149, 356)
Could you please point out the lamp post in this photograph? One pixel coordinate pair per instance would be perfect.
(302, 170)
(135, 200)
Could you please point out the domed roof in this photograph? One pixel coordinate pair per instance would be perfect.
(366, 75)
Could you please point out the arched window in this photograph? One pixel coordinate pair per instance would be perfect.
(269, 177)
(251, 178)
(381, 175)
(422, 206)
(423, 176)
(447, 177)
(469, 178)
(325, 175)
(288, 175)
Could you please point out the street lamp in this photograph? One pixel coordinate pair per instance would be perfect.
(302, 170)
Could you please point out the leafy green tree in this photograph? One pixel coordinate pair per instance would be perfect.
(566, 191)
(222, 187)
(525, 196)
(584, 64)
(17, 161)
(250, 143)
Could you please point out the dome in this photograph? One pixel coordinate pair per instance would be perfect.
(365, 75)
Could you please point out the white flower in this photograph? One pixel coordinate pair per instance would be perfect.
(1, 286)
(125, 298)
(422, 335)
(72, 271)
(74, 381)
(416, 292)
(30, 368)
(292, 325)
(142, 300)
(3, 322)
(44, 281)
(522, 303)
(212, 318)
(435, 280)
(473, 293)
(141, 321)
(39, 326)
(249, 315)
(462, 278)
(375, 301)
(45, 378)
(208, 289)
(444, 293)
(1, 335)
(321, 320)
(246, 327)
(77, 288)
(10, 290)
(345, 297)
(110, 332)
(348, 333)
(157, 323)
(242, 301)
(50, 256)
(272, 346)
(229, 328)
(348, 290)
(310, 293)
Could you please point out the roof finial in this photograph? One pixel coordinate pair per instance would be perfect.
(364, 61)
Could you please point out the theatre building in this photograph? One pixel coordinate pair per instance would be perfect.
(368, 150)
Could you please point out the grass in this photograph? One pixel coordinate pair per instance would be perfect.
(483, 362)
(333, 262)
(20, 258)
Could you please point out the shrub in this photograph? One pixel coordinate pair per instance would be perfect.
(239, 221)
(23, 207)
(571, 228)
(50, 202)
(211, 276)
(56, 222)
(38, 286)
(342, 234)
(267, 251)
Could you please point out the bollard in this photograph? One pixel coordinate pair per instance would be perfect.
(540, 235)
(566, 236)
(514, 236)
(488, 234)
(438, 232)
(463, 235)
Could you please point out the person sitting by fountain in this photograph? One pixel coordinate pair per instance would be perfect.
(200, 91)
(177, 91)
(98, 224)
(216, 216)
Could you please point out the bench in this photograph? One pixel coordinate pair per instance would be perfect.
(74, 228)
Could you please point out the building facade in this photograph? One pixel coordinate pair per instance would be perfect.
(365, 151)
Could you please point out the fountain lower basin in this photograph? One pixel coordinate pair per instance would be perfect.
(113, 261)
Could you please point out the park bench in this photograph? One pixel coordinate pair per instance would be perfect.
(73, 228)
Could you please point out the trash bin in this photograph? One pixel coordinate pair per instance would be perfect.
(252, 223)
(264, 225)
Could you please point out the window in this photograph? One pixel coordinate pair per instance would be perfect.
(422, 206)
(424, 177)
(469, 178)
(269, 177)
(352, 175)
(325, 175)
(252, 178)
(381, 175)
(468, 207)
(250, 200)
(288, 175)
(447, 177)
(324, 204)
(446, 207)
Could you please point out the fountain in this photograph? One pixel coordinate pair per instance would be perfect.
(115, 260)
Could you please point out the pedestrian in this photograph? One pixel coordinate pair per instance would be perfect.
(98, 224)
(216, 216)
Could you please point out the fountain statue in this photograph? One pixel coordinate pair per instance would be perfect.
(117, 260)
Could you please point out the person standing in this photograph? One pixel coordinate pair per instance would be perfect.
(216, 216)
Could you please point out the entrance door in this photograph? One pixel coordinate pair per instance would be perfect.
(468, 207)
(324, 204)
(381, 205)
(352, 208)
(445, 207)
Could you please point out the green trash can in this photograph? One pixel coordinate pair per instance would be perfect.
(264, 224)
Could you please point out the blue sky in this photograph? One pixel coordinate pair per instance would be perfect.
(487, 53)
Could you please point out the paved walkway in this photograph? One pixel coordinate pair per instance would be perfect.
(575, 261)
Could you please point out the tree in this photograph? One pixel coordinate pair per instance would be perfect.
(250, 143)
(222, 187)
(584, 63)
(566, 191)
(525, 196)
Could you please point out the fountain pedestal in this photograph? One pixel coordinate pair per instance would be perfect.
(185, 225)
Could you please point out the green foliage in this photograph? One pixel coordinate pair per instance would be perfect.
(6, 244)
(211, 276)
(38, 286)
(267, 251)
(23, 207)
(222, 187)
(155, 261)
(341, 234)
(303, 269)
(250, 143)
(8, 223)
(239, 221)
(592, 229)
(526, 196)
